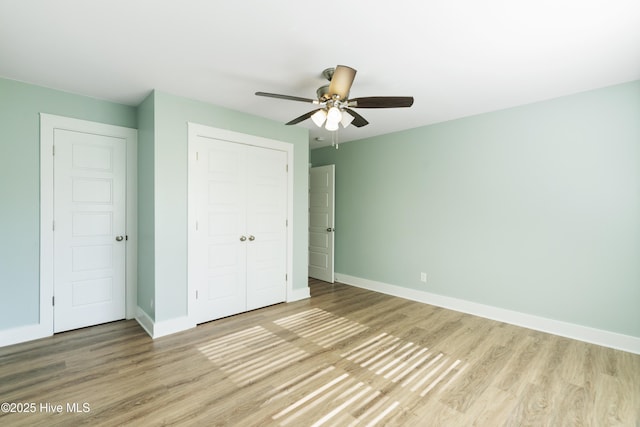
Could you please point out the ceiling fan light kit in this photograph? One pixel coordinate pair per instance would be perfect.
(331, 126)
(319, 117)
(335, 105)
(346, 119)
(334, 114)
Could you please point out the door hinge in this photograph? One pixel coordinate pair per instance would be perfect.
(53, 301)
(196, 225)
(197, 156)
(286, 168)
(53, 150)
(196, 294)
(286, 222)
(286, 277)
(53, 226)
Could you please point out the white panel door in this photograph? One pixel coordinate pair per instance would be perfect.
(321, 222)
(220, 255)
(238, 250)
(89, 229)
(266, 226)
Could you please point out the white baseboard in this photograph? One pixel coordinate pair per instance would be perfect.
(154, 329)
(569, 330)
(144, 321)
(299, 294)
(163, 328)
(168, 327)
(24, 334)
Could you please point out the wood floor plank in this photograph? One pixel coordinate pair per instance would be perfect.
(346, 356)
(523, 356)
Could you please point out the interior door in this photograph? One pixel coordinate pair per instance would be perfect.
(321, 222)
(266, 226)
(89, 229)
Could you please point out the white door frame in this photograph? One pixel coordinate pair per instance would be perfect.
(196, 130)
(48, 123)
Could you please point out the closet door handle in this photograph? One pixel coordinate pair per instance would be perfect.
(252, 238)
(243, 238)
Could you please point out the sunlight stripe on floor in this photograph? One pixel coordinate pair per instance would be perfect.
(309, 396)
(297, 383)
(344, 405)
(419, 372)
(394, 359)
(373, 411)
(406, 362)
(440, 378)
(252, 354)
(383, 414)
(339, 401)
(363, 345)
(321, 327)
(430, 373)
(453, 378)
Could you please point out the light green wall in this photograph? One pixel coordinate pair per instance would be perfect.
(172, 114)
(146, 204)
(162, 186)
(20, 105)
(535, 209)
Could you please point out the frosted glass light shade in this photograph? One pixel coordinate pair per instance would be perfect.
(319, 117)
(346, 119)
(334, 115)
(331, 126)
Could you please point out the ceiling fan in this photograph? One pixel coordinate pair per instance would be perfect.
(335, 106)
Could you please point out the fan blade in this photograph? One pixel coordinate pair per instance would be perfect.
(358, 120)
(287, 97)
(381, 102)
(341, 81)
(302, 117)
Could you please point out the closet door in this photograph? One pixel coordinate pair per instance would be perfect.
(238, 251)
(266, 226)
(219, 255)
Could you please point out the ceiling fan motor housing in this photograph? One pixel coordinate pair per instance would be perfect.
(327, 73)
(323, 93)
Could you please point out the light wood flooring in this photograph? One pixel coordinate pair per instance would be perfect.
(344, 357)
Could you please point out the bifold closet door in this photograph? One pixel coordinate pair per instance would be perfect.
(239, 247)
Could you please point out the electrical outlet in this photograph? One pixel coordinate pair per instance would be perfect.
(423, 277)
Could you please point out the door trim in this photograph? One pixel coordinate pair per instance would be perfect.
(48, 123)
(195, 130)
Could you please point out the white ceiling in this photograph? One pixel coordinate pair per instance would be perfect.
(456, 57)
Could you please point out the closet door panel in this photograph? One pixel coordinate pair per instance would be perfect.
(266, 223)
(221, 255)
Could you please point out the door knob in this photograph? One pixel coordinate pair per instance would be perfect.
(330, 229)
(252, 238)
(243, 238)
(119, 238)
